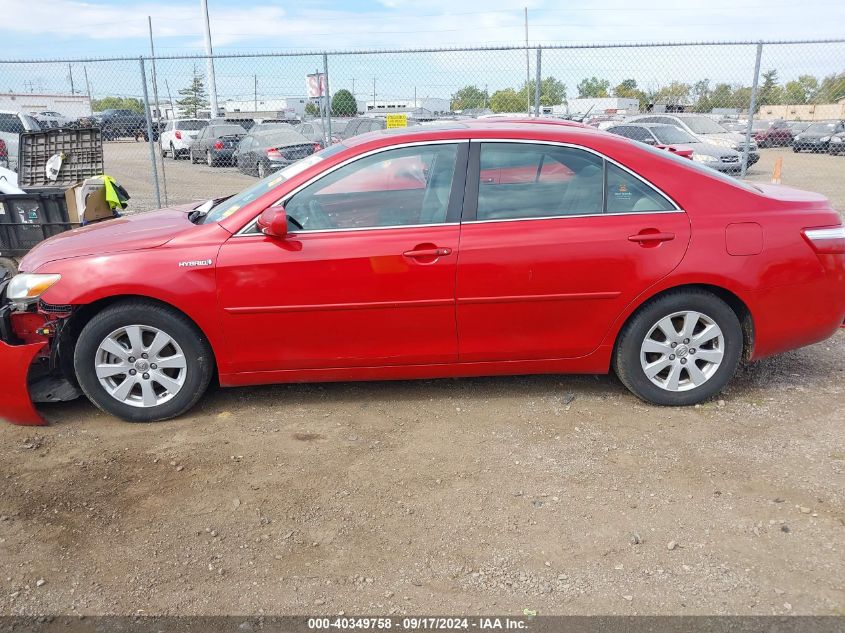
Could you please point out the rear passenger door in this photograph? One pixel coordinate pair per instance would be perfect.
(555, 242)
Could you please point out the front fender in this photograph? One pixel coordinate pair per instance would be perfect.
(15, 404)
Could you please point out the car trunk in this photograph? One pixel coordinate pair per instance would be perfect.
(295, 152)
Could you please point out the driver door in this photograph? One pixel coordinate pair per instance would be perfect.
(366, 274)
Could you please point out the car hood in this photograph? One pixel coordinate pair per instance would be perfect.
(815, 136)
(708, 149)
(128, 233)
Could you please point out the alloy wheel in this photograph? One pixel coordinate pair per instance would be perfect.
(682, 351)
(141, 366)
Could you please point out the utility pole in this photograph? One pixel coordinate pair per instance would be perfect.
(88, 88)
(527, 67)
(209, 61)
(70, 76)
(256, 93)
(158, 105)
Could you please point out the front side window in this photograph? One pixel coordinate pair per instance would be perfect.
(398, 187)
(524, 180)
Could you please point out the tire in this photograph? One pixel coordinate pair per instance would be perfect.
(672, 356)
(8, 266)
(105, 340)
(173, 153)
(162, 151)
(795, 149)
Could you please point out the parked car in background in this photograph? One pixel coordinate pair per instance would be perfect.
(661, 135)
(216, 143)
(643, 134)
(51, 118)
(115, 124)
(266, 126)
(837, 144)
(177, 136)
(313, 130)
(398, 256)
(816, 138)
(245, 122)
(705, 130)
(771, 133)
(362, 125)
(12, 125)
(263, 152)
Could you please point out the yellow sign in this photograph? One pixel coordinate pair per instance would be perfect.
(397, 120)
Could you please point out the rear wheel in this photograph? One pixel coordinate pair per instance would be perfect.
(679, 349)
(142, 362)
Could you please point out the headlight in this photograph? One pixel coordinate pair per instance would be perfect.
(705, 158)
(824, 139)
(835, 139)
(27, 287)
(799, 138)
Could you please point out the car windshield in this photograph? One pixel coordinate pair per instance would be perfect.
(821, 128)
(703, 125)
(669, 135)
(230, 205)
(191, 125)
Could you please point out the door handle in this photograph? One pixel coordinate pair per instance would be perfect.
(645, 238)
(428, 252)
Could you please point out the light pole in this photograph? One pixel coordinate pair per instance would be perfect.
(209, 61)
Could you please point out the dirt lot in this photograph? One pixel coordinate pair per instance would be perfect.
(129, 162)
(562, 494)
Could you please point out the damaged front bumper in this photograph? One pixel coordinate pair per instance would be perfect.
(16, 360)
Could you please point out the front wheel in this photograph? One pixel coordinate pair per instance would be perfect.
(142, 362)
(679, 349)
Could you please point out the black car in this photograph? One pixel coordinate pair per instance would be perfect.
(117, 123)
(216, 143)
(816, 138)
(264, 152)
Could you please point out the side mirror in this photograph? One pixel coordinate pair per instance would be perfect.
(649, 141)
(273, 222)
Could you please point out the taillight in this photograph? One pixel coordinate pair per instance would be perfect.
(4, 151)
(218, 144)
(828, 241)
(274, 154)
(178, 134)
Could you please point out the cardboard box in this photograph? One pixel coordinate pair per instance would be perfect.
(92, 207)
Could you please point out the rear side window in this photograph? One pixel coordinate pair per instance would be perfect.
(523, 180)
(190, 126)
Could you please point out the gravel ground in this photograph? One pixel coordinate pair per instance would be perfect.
(129, 163)
(560, 494)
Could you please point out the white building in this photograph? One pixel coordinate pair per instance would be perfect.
(435, 105)
(604, 105)
(71, 106)
(289, 107)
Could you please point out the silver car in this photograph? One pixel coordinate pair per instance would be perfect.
(705, 130)
(715, 156)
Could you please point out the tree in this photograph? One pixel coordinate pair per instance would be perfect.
(195, 96)
(800, 91)
(770, 92)
(831, 90)
(593, 87)
(552, 92)
(508, 100)
(676, 93)
(344, 104)
(469, 97)
(312, 109)
(628, 89)
(117, 103)
(722, 96)
(701, 96)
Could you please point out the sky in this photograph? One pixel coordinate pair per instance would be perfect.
(98, 28)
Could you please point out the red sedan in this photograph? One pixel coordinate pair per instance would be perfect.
(468, 249)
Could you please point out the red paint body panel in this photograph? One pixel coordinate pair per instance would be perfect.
(15, 404)
(518, 296)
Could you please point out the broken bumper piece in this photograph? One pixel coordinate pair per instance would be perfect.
(15, 403)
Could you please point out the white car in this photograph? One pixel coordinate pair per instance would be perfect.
(51, 118)
(12, 125)
(177, 136)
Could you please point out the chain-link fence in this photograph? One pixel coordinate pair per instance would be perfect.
(764, 109)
